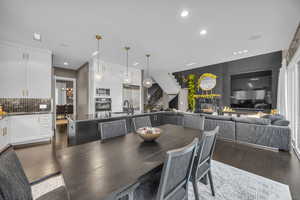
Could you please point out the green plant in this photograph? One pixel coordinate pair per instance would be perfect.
(191, 91)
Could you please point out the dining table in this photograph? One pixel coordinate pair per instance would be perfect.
(101, 169)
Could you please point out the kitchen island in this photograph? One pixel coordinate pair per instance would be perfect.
(83, 129)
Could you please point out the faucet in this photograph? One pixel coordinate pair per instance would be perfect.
(128, 107)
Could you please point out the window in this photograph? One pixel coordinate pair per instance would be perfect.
(293, 103)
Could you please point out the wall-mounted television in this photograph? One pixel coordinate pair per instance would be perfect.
(252, 90)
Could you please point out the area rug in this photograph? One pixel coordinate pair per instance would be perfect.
(236, 184)
(230, 184)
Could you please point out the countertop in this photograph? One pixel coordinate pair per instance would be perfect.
(24, 113)
(91, 117)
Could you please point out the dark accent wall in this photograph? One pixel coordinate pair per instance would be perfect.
(67, 73)
(83, 90)
(224, 71)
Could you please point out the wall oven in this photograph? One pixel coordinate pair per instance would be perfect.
(102, 104)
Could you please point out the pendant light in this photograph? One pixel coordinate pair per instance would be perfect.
(126, 78)
(99, 68)
(148, 82)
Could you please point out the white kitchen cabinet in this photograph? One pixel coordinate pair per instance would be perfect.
(25, 72)
(30, 128)
(39, 75)
(12, 76)
(4, 134)
(136, 77)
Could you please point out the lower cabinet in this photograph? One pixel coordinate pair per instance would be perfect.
(30, 128)
(4, 134)
(156, 119)
(173, 119)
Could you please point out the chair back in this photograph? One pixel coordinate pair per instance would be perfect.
(207, 146)
(139, 122)
(193, 121)
(113, 129)
(13, 181)
(176, 172)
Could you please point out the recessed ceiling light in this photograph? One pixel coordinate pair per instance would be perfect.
(64, 45)
(203, 32)
(190, 64)
(95, 53)
(184, 13)
(66, 63)
(255, 36)
(135, 63)
(240, 52)
(37, 36)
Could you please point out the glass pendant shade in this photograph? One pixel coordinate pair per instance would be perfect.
(148, 82)
(98, 71)
(126, 76)
(126, 79)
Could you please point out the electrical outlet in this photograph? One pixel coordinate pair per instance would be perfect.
(43, 106)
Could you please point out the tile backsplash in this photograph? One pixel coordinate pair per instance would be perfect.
(17, 105)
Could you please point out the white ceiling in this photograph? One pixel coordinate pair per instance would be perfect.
(68, 28)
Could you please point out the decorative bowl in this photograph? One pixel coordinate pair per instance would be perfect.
(149, 134)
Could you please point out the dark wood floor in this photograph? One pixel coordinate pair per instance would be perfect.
(40, 161)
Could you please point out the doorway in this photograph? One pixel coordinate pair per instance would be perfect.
(64, 108)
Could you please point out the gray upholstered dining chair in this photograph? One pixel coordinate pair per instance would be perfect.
(172, 182)
(193, 121)
(127, 194)
(113, 129)
(139, 122)
(14, 183)
(202, 164)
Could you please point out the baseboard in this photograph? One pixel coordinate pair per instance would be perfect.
(250, 144)
(32, 143)
(296, 151)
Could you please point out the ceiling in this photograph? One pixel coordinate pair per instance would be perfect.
(68, 29)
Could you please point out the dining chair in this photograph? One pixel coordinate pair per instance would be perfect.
(113, 129)
(172, 181)
(14, 183)
(193, 121)
(127, 194)
(202, 164)
(139, 122)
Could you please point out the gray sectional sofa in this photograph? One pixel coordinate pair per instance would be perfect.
(263, 132)
(257, 131)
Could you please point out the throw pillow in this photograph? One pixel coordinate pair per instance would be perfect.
(281, 123)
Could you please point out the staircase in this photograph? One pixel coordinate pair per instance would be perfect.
(167, 82)
(155, 93)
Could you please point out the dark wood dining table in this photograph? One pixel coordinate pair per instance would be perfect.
(100, 169)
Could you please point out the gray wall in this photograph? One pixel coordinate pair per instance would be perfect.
(224, 71)
(83, 90)
(68, 73)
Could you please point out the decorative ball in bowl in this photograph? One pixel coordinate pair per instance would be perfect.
(149, 134)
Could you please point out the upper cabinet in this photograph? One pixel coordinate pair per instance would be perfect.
(135, 76)
(12, 75)
(25, 72)
(39, 75)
